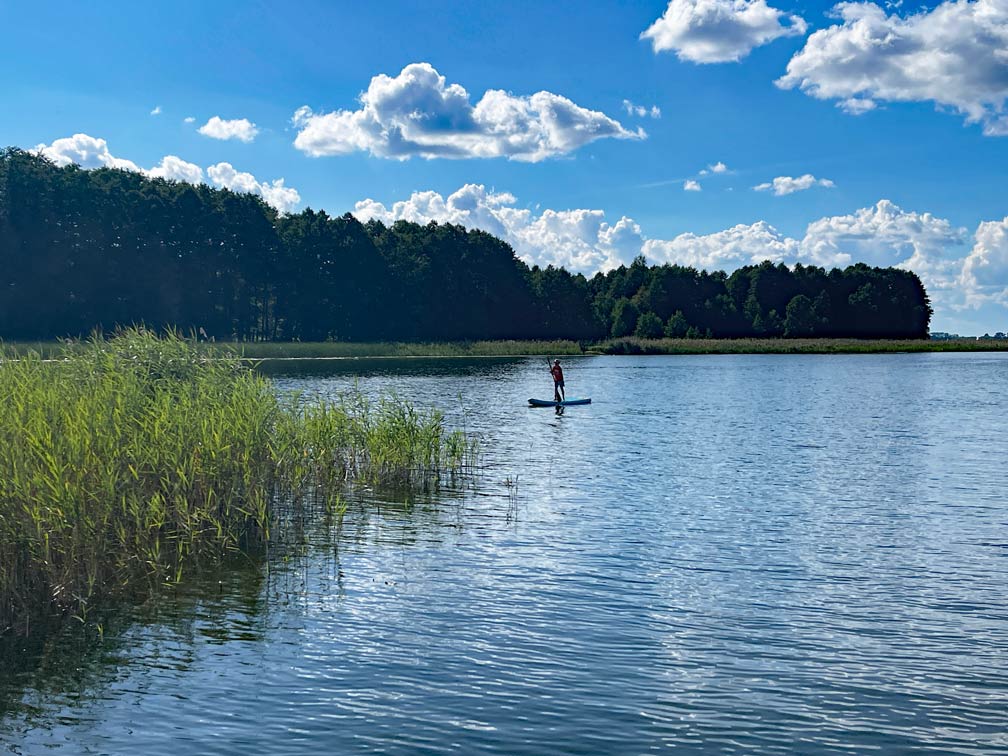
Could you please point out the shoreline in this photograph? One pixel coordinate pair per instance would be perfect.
(348, 351)
(323, 351)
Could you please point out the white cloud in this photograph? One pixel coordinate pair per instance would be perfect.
(283, 198)
(724, 250)
(86, 151)
(717, 167)
(417, 114)
(788, 185)
(91, 152)
(640, 110)
(241, 129)
(718, 31)
(176, 169)
(984, 276)
(886, 235)
(579, 240)
(156, 111)
(883, 234)
(689, 185)
(955, 55)
(188, 119)
(856, 106)
(582, 240)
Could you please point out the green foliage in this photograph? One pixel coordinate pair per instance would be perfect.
(125, 460)
(85, 250)
(336, 349)
(794, 346)
(649, 326)
(677, 326)
(801, 320)
(624, 318)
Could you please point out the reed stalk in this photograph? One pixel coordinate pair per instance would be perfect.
(125, 461)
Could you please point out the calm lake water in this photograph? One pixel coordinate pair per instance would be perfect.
(721, 554)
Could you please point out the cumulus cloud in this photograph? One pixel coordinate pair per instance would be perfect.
(188, 119)
(241, 129)
(86, 151)
(725, 250)
(640, 110)
(984, 276)
(857, 106)
(283, 198)
(955, 55)
(579, 240)
(175, 168)
(418, 114)
(788, 185)
(719, 31)
(689, 185)
(718, 167)
(887, 235)
(156, 111)
(91, 152)
(883, 234)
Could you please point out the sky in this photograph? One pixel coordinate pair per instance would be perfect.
(712, 133)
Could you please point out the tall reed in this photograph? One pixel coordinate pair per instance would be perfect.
(124, 461)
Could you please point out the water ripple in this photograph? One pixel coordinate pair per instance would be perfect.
(726, 554)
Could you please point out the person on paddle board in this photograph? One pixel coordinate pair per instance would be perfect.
(558, 381)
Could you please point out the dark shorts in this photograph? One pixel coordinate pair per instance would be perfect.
(558, 384)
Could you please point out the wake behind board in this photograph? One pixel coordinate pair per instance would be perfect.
(551, 403)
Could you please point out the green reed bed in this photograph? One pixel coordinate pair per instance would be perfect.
(338, 349)
(126, 460)
(794, 346)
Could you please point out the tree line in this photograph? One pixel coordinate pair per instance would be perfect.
(94, 249)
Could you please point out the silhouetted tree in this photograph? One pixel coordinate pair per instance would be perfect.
(649, 326)
(85, 249)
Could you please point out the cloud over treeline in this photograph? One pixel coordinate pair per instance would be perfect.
(583, 240)
(93, 152)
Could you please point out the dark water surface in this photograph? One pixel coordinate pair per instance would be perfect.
(722, 554)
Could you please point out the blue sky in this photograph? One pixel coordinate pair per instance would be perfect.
(576, 176)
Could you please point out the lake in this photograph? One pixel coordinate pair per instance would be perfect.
(721, 554)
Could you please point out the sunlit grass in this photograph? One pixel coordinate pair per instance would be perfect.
(126, 460)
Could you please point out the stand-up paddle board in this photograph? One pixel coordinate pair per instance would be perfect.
(552, 403)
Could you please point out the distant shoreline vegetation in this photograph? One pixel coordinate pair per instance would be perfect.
(798, 346)
(630, 345)
(275, 351)
(87, 250)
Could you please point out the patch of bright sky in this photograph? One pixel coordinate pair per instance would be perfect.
(70, 69)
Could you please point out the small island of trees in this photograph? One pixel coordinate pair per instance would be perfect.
(85, 250)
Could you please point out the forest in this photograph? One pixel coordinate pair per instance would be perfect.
(91, 250)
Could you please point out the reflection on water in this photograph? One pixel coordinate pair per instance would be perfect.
(725, 554)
